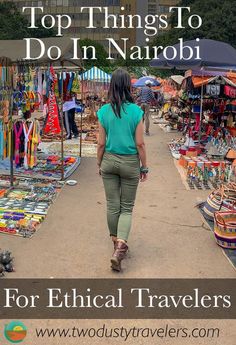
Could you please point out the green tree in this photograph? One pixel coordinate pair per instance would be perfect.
(101, 54)
(218, 19)
(14, 26)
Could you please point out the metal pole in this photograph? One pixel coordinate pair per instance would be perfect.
(62, 127)
(81, 132)
(12, 143)
(11, 131)
(201, 113)
(81, 117)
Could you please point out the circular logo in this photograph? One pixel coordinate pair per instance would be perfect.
(15, 332)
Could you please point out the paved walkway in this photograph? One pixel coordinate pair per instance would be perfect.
(167, 239)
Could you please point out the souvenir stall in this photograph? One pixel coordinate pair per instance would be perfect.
(35, 86)
(207, 164)
(96, 84)
(170, 104)
(24, 206)
(24, 202)
(214, 156)
(214, 54)
(27, 130)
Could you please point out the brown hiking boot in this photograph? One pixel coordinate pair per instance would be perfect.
(119, 254)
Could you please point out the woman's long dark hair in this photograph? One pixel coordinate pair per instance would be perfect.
(120, 90)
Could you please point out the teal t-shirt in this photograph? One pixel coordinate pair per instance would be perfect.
(120, 132)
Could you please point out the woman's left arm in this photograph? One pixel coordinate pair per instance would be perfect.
(101, 144)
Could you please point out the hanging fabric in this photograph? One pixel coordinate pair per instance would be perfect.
(27, 132)
(35, 139)
(18, 129)
(1, 141)
(52, 125)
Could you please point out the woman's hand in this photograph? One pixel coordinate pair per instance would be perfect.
(143, 177)
(99, 168)
(143, 173)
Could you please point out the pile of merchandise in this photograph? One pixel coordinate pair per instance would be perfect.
(50, 167)
(205, 153)
(219, 213)
(6, 262)
(91, 131)
(169, 117)
(24, 207)
(208, 164)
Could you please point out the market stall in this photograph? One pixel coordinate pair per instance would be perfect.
(95, 83)
(26, 196)
(204, 96)
(209, 161)
(30, 87)
(206, 155)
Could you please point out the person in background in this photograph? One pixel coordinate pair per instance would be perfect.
(147, 97)
(69, 118)
(120, 150)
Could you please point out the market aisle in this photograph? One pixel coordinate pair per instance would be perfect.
(167, 239)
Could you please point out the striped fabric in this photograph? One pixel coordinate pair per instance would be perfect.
(225, 229)
(146, 95)
(96, 74)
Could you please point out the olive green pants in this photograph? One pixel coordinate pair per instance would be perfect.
(146, 108)
(120, 174)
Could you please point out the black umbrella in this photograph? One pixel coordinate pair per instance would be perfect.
(212, 53)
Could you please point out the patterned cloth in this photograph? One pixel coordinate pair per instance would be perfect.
(146, 95)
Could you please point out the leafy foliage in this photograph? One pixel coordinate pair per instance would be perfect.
(218, 22)
(14, 26)
(101, 54)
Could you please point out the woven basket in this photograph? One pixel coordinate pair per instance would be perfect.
(225, 229)
(222, 199)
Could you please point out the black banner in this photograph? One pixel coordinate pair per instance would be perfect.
(118, 299)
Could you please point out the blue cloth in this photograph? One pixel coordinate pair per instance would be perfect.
(146, 95)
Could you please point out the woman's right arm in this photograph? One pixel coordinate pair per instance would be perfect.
(140, 144)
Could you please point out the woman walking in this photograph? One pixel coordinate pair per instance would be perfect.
(121, 152)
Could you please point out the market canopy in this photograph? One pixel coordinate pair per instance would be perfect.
(14, 51)
(213, 53)
(208, 72)
(178, 79)
(96, 74)
(141, 82)
(204, 76)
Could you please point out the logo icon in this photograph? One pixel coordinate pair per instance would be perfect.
(15, 332)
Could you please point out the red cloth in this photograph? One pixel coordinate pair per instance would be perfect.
(53, 125)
